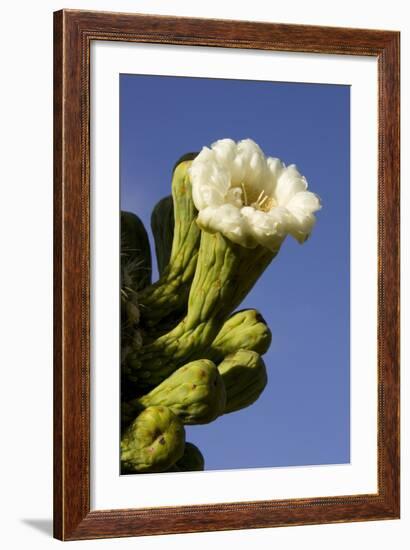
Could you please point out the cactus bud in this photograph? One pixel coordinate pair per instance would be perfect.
(191, 461)
(244, 329)
(244, 375)
(194, 392)
(153, 442)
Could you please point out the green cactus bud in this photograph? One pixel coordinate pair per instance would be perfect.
(135, 253)
(153, 442)
(245, 329)
(245, 377)
(194, 392)
(162, 225)
(169, 295)
(192, 460)
(224, 275)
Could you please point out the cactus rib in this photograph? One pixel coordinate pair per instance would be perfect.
(225, 273)
(170, 293)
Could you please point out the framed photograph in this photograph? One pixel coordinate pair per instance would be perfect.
(226, 288)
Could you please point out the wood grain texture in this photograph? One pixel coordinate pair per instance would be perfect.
(73, 32)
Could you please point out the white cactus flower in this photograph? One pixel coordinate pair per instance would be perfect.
(249, 198)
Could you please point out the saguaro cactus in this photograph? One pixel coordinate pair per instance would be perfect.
(187, 356)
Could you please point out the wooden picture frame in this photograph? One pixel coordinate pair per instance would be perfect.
(74, 32)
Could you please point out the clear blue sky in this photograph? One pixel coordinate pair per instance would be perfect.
(303, 416)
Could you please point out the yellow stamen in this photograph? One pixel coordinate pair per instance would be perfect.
(263, 202)
(260, 196)
(265, 198)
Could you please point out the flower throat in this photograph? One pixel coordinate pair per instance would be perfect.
(261, 201)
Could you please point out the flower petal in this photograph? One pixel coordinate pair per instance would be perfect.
(276, 167)
(306, 201)
(224, 150)
(301, 208)
(227, 220)
(210, 181)
(268, 230)
(289, 183)
(234, 196)
(300, 228)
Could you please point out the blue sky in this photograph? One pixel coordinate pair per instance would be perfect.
(303, 416)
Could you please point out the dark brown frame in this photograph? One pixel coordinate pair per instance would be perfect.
(73, 33)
